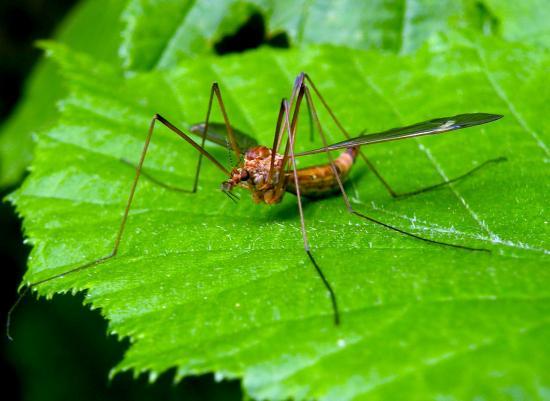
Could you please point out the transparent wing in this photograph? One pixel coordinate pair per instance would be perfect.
(217, 134)
(430, 127)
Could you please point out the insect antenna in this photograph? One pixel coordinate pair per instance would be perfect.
(234, 197)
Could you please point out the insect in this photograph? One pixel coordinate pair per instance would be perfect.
(268, 173)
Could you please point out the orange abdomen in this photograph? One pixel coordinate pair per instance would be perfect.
(317, 181)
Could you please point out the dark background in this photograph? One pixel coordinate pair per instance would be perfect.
(61, 350)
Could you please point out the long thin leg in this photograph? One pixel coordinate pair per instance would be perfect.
(298, 82)
(347, 201)
(403, 195)
(297, 94)
(122, 226)
(310, 122)
(307, 248)
(276, 138)
(156, 181)
(348, 136)
(279, 128)
(393, 194)
(215, 90)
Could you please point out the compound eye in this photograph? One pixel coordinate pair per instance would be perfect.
(244, 175)
(226, 186)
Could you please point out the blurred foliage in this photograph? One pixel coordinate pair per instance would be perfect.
(94, 27)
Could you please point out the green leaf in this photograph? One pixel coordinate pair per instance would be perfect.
(161, 34)
(84, 30)
(204, 285)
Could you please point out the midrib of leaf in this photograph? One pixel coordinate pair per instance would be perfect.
(491, 236)
(405, 25)
(168, 43)
(306, 4)
(424, 149)
(504, 97)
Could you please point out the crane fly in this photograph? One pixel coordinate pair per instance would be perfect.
(268, 173)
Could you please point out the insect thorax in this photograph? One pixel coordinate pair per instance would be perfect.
(253, 174)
